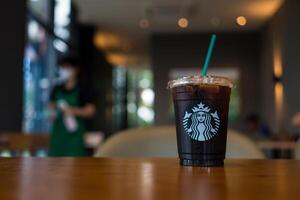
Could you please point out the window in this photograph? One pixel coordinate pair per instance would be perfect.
(133, 98)
(47, 37)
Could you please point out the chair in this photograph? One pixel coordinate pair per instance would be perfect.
(160, 141)
(240, 146)
(141, 142)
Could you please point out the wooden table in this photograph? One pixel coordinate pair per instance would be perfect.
(123, 179)
(15, 141)
(20, 142)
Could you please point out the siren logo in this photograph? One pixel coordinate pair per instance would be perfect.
(200, 123)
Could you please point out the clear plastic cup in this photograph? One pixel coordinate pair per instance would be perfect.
(201, 115)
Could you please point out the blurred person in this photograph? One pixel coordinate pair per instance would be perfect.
(296, 120)
(256, 129)
(71, 104)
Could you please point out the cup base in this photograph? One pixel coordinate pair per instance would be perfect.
(202, 163)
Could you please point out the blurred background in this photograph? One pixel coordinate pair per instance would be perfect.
(131, 49)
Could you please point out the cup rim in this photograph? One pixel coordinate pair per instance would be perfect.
(198, 79)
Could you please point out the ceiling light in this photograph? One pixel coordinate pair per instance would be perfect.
(183, 22)
(241, 20)
(122, 59)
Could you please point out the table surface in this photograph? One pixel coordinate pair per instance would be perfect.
(146, 178)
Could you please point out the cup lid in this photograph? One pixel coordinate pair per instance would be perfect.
(195, 80)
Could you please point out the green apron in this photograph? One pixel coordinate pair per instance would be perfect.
(62, 141)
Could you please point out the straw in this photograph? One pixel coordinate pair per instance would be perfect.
(208, 55)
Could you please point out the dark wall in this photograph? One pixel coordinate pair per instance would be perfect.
(12, 22)
(98, 76)
(283, 32)
(240, 50)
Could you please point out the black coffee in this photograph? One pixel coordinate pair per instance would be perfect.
(201, 114)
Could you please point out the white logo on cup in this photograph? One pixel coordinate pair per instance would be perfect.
(201, 123)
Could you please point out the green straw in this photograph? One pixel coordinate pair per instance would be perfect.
(208, 55)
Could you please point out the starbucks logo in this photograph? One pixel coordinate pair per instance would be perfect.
(200, 123)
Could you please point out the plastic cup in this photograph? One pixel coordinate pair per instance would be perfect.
(201, 116)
